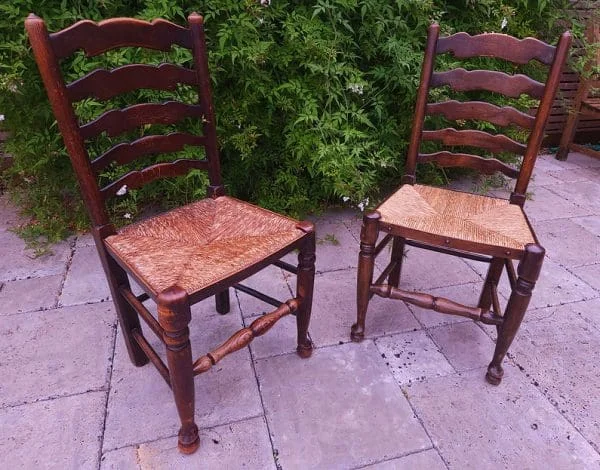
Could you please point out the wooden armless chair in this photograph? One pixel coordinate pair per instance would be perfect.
(187, 254)
(467, 225)
(584, 104)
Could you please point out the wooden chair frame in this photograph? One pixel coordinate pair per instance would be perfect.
(583, 104)
(174, 302)
(531, 255)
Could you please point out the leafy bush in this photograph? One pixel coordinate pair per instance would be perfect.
(314, 99)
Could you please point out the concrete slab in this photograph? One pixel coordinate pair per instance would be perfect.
(141, 406)
(270, 281)
(576, 175)
(84, 239)
(38, 293)
(413, 357)
(55, 353)
(336, 246)
(19, 263)
(334, 312)
(339, 409)
(567, 243)
(590, 274)
(576, 159)
(61, 433)
(547, 205)
(476, 425)
(125, 458)
(425, 269)
(542, 178)
(557, 353)
(244, 444)
(585, 194)
(426, 460)
(467, 294)
(591, 223)
(85, 281)
(464, 345)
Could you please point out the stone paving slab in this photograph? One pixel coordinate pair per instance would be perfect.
(56, 434)
(17, 262)
(559, 354)
(56, 352)
(590, 274)
(545, 204)
(568, 243)
(85, 281)
(335, 292)
(340, 409)
(426, 460)
(141, 406)
(585, 194)
(240, 445)
(27, 295)
(478, 426)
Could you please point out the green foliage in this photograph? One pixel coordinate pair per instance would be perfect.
(314, 100)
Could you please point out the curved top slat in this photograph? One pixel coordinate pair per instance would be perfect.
(95, 38)
(488, 80)
(104, 84)
(480, 110)
(502, 46)
(484, 165)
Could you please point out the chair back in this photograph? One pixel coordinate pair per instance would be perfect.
(106, 84)
(459, 80)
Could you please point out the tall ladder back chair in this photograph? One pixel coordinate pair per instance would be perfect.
(189, 253)
(462, 224)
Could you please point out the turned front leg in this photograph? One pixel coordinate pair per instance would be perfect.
(529, 271)
(174, 316)
(304, 289)
(366, 263)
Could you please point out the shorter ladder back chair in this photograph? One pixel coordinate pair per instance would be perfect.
(587, 98)
(462, 224)
(189, 253)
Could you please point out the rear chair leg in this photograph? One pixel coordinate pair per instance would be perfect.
(366, 263)
(491, 280)
(397, 257)
(304, 291)
(127, 315)
(174, 316)
(222, 302)
(529, 271)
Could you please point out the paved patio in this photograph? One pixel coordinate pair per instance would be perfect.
(411, 396)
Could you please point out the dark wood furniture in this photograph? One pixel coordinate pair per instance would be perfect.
(585, 104)
(189, 253)
(461, 224)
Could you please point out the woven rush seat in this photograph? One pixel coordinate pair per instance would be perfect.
(455, 215)
(202, 243)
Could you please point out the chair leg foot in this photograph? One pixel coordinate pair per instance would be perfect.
(357, 333)
(305, 281)
(188, 440)
(494, 374)
(563, 153)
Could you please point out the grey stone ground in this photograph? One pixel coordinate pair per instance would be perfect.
(411, 396)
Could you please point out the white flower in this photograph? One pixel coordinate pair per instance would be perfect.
(345, 198)
(122, 190)
(362, 204)
(356, 88)
(504, 23)
(265, 3)
(1, 117)
(127, 215)
(261, 20)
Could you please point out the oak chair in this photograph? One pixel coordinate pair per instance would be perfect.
(585, 102)
(462, 224)
(189, 253)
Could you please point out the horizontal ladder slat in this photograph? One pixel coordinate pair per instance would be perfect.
(126, 152)
(488, 80)
(480, 110)
(104, 84)
(487, 166)
(472, 138)
(117, 121)
(136, 179)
